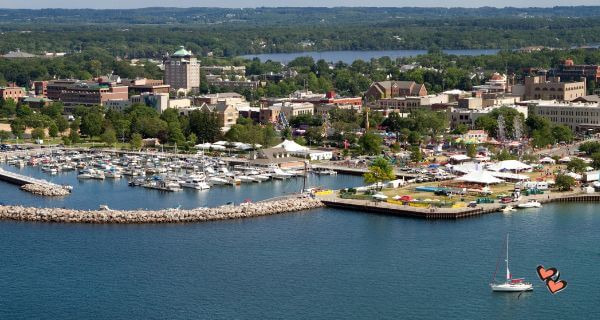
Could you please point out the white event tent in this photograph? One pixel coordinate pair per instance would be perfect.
(509, 165)
(480, 177)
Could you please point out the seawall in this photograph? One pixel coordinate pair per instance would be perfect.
(21, 213)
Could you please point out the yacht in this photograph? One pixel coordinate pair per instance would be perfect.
(217, 181)
(114, 174)
(197, 183)
(84, 174)
(280, 174)
(510, 284)
(529, 204)
(244, 178)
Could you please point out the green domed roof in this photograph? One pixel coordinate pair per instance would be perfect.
(182, 52)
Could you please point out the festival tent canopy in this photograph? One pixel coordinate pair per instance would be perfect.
(510, 176)
(203, 146)
(547, 160)
(459, 157)
(380, 196)
(509, 165)
(291, 146)
(480, 177)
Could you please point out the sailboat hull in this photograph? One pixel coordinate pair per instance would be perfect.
(511, 287)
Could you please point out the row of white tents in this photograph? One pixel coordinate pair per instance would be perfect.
(224, 145)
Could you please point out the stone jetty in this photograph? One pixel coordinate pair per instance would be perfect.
(45, 189)
(248, 210)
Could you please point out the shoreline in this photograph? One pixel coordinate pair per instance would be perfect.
(60, 215)
(448, 213)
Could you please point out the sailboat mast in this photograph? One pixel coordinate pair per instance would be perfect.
(507, 271)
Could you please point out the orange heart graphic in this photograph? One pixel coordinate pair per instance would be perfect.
(546, 274)
(556, 286)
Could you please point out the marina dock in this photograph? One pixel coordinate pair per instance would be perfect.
(21, 180)
(359, 171)
(381, 207)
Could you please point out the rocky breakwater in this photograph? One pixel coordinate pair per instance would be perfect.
(159, 216)
(45, 189)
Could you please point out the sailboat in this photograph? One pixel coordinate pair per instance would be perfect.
(510, 285)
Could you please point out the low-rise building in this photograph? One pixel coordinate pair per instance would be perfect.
(543, 88)
(88, 93)
(578, 116)
(11, 92)
(468, 117)
(179, 103)
(143, 85)
(227, 97)
(117, 105)
(568, 70)
(394, 89)
(227, 114)
(157, 101)
(408, 104)
(233, 84)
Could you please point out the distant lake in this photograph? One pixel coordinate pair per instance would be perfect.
(351, 56)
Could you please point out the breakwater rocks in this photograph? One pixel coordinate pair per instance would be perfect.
(160, 216)
(45, 190)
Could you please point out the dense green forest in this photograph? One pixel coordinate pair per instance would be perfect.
(150, 32)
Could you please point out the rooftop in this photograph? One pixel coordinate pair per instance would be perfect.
(182, 52)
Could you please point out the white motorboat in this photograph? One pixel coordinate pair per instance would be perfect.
(217, 181)
(244, 178)
(511, 284)
(281, 175)
(195, 183)
(508, 209)
(261, 177)
(84, 174)
(114, 174)
(529, 204)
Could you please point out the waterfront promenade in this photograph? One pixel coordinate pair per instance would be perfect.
(381, 207)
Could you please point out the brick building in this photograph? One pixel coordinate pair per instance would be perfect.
(395, 89)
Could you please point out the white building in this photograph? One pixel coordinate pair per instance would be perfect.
(117, 105)
(157, 101)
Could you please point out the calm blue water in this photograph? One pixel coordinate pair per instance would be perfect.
(90, 194)
(350, 56)
(322, 264)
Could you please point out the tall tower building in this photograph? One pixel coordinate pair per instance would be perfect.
(182, 71)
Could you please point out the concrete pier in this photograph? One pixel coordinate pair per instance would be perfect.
(447, 213)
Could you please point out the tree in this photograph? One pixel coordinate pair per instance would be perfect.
(577, 165)
(415, 154)
(38, 133)
(192, 139)
(91, 124)
(590, 147)
(205, 125)
(370, 143)
(471, 150)
(175, 134)
(53, 130)
(461, 129)
(379, 171)
(109, 137)
(61, 123)
(564, 182)
(313, 136)
(136, 141)
(17, 127)
(562, 133)
(4, 135)
(596, 160)
(74, 131)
